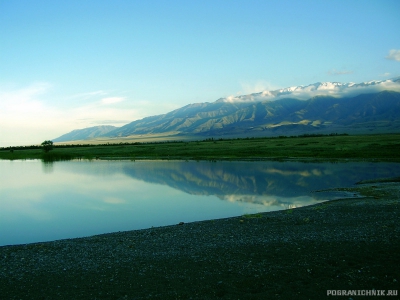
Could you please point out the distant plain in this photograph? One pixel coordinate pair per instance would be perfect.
(382, 147)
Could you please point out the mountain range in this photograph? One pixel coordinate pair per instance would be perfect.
(368, 107)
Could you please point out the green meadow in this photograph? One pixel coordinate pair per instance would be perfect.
(383, 147)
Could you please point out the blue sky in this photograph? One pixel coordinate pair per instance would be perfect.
(72, 64)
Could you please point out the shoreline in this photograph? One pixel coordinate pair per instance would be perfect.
(382, 147)
(298, 253)
(216, 159)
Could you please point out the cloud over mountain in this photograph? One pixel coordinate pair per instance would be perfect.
(334, 89)
(394, 54)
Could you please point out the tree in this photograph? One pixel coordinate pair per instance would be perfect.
(47, 146)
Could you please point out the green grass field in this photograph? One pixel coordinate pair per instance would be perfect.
(362, 147)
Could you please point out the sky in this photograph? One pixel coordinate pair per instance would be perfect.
(68, 65)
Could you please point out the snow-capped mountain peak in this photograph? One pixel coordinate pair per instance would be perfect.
(335, 89)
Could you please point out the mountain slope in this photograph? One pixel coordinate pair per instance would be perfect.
(189, 118)
(86, 133)
(221, 118)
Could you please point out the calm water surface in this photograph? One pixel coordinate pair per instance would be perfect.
(48, 201)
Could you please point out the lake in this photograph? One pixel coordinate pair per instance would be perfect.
(49, 201)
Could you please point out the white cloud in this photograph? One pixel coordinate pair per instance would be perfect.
(255, 91)
(89, 95)
(12, 97)
(256, 87)
(114, 200)
(394, 54)
(23, 115)
(91, 115)
(387, 74)
(23, 106)
(27, 117)
(112, 100)
(344, 90)
(336, 72)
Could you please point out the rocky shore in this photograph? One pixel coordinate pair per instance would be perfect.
(347, 244)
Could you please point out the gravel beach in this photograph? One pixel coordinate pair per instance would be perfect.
(347, 244)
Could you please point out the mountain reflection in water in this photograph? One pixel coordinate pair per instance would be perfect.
(67, 199)
(289, 184)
